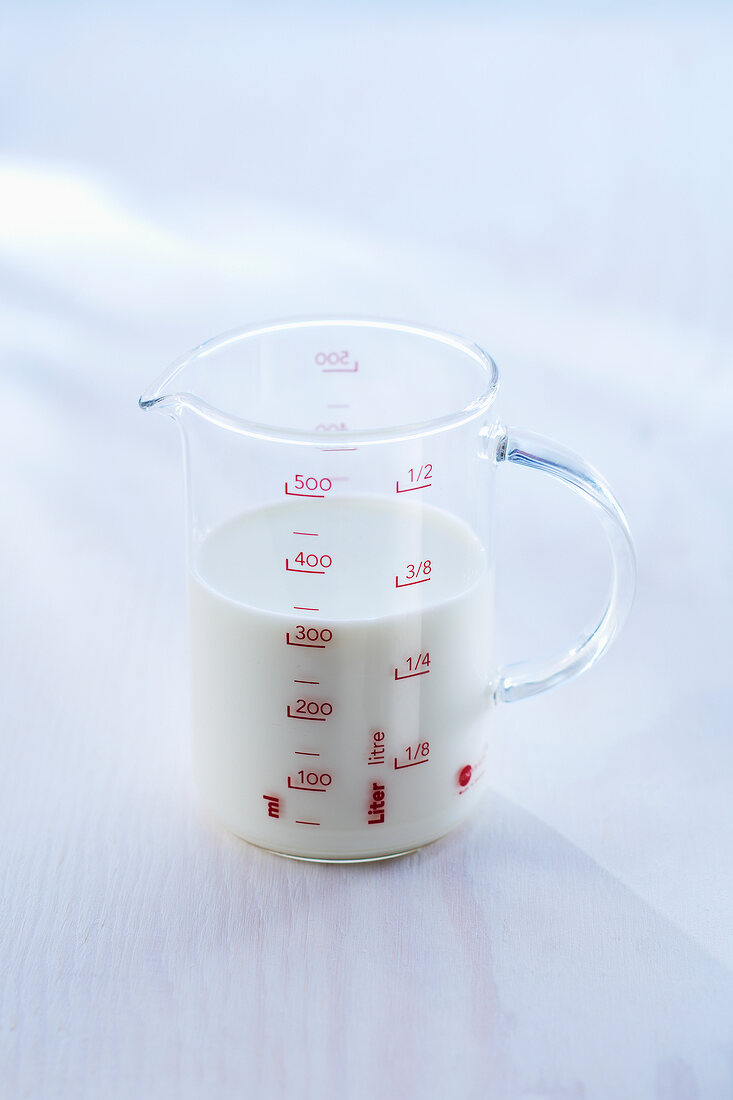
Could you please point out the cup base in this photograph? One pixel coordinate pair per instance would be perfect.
(337, 847)
(345, 860)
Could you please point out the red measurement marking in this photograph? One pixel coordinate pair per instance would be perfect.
(418, 479)
(420, 754)
(289, 569)
(315, 712)
(310, 637)
(273, 805)
(312, 781)
(307, 823)
(316, 682)
(302, 559)
(304, 717)
(412, 574)
(297, 607)
(295, 787)
(299, 752)
(406, 584)
(314, 533)
(375, 813)
(411, 488)
(340, 370)
(421, 662)
(470, 774)
(376, 756)
(312, 496)
(303, 482)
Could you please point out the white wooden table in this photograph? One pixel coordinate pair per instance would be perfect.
(574, 939)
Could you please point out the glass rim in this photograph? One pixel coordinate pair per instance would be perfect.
(163, 395)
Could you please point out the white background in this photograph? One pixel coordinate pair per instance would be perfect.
(553, 182)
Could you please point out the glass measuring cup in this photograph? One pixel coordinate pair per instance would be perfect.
(340, 482)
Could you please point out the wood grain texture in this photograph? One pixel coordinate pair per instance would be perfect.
(569, 942)
(148, 953)
(499, 962)
(559, 191)
(152, 954)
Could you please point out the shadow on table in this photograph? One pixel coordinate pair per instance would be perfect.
(499, 962)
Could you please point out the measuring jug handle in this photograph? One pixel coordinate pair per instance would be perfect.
(519, 681)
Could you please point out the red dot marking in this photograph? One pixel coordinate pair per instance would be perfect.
(464, 776)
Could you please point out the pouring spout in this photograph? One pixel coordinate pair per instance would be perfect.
(188, 383)
(174, 402)
(159, 401)
(166, 394)
(147, 402)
